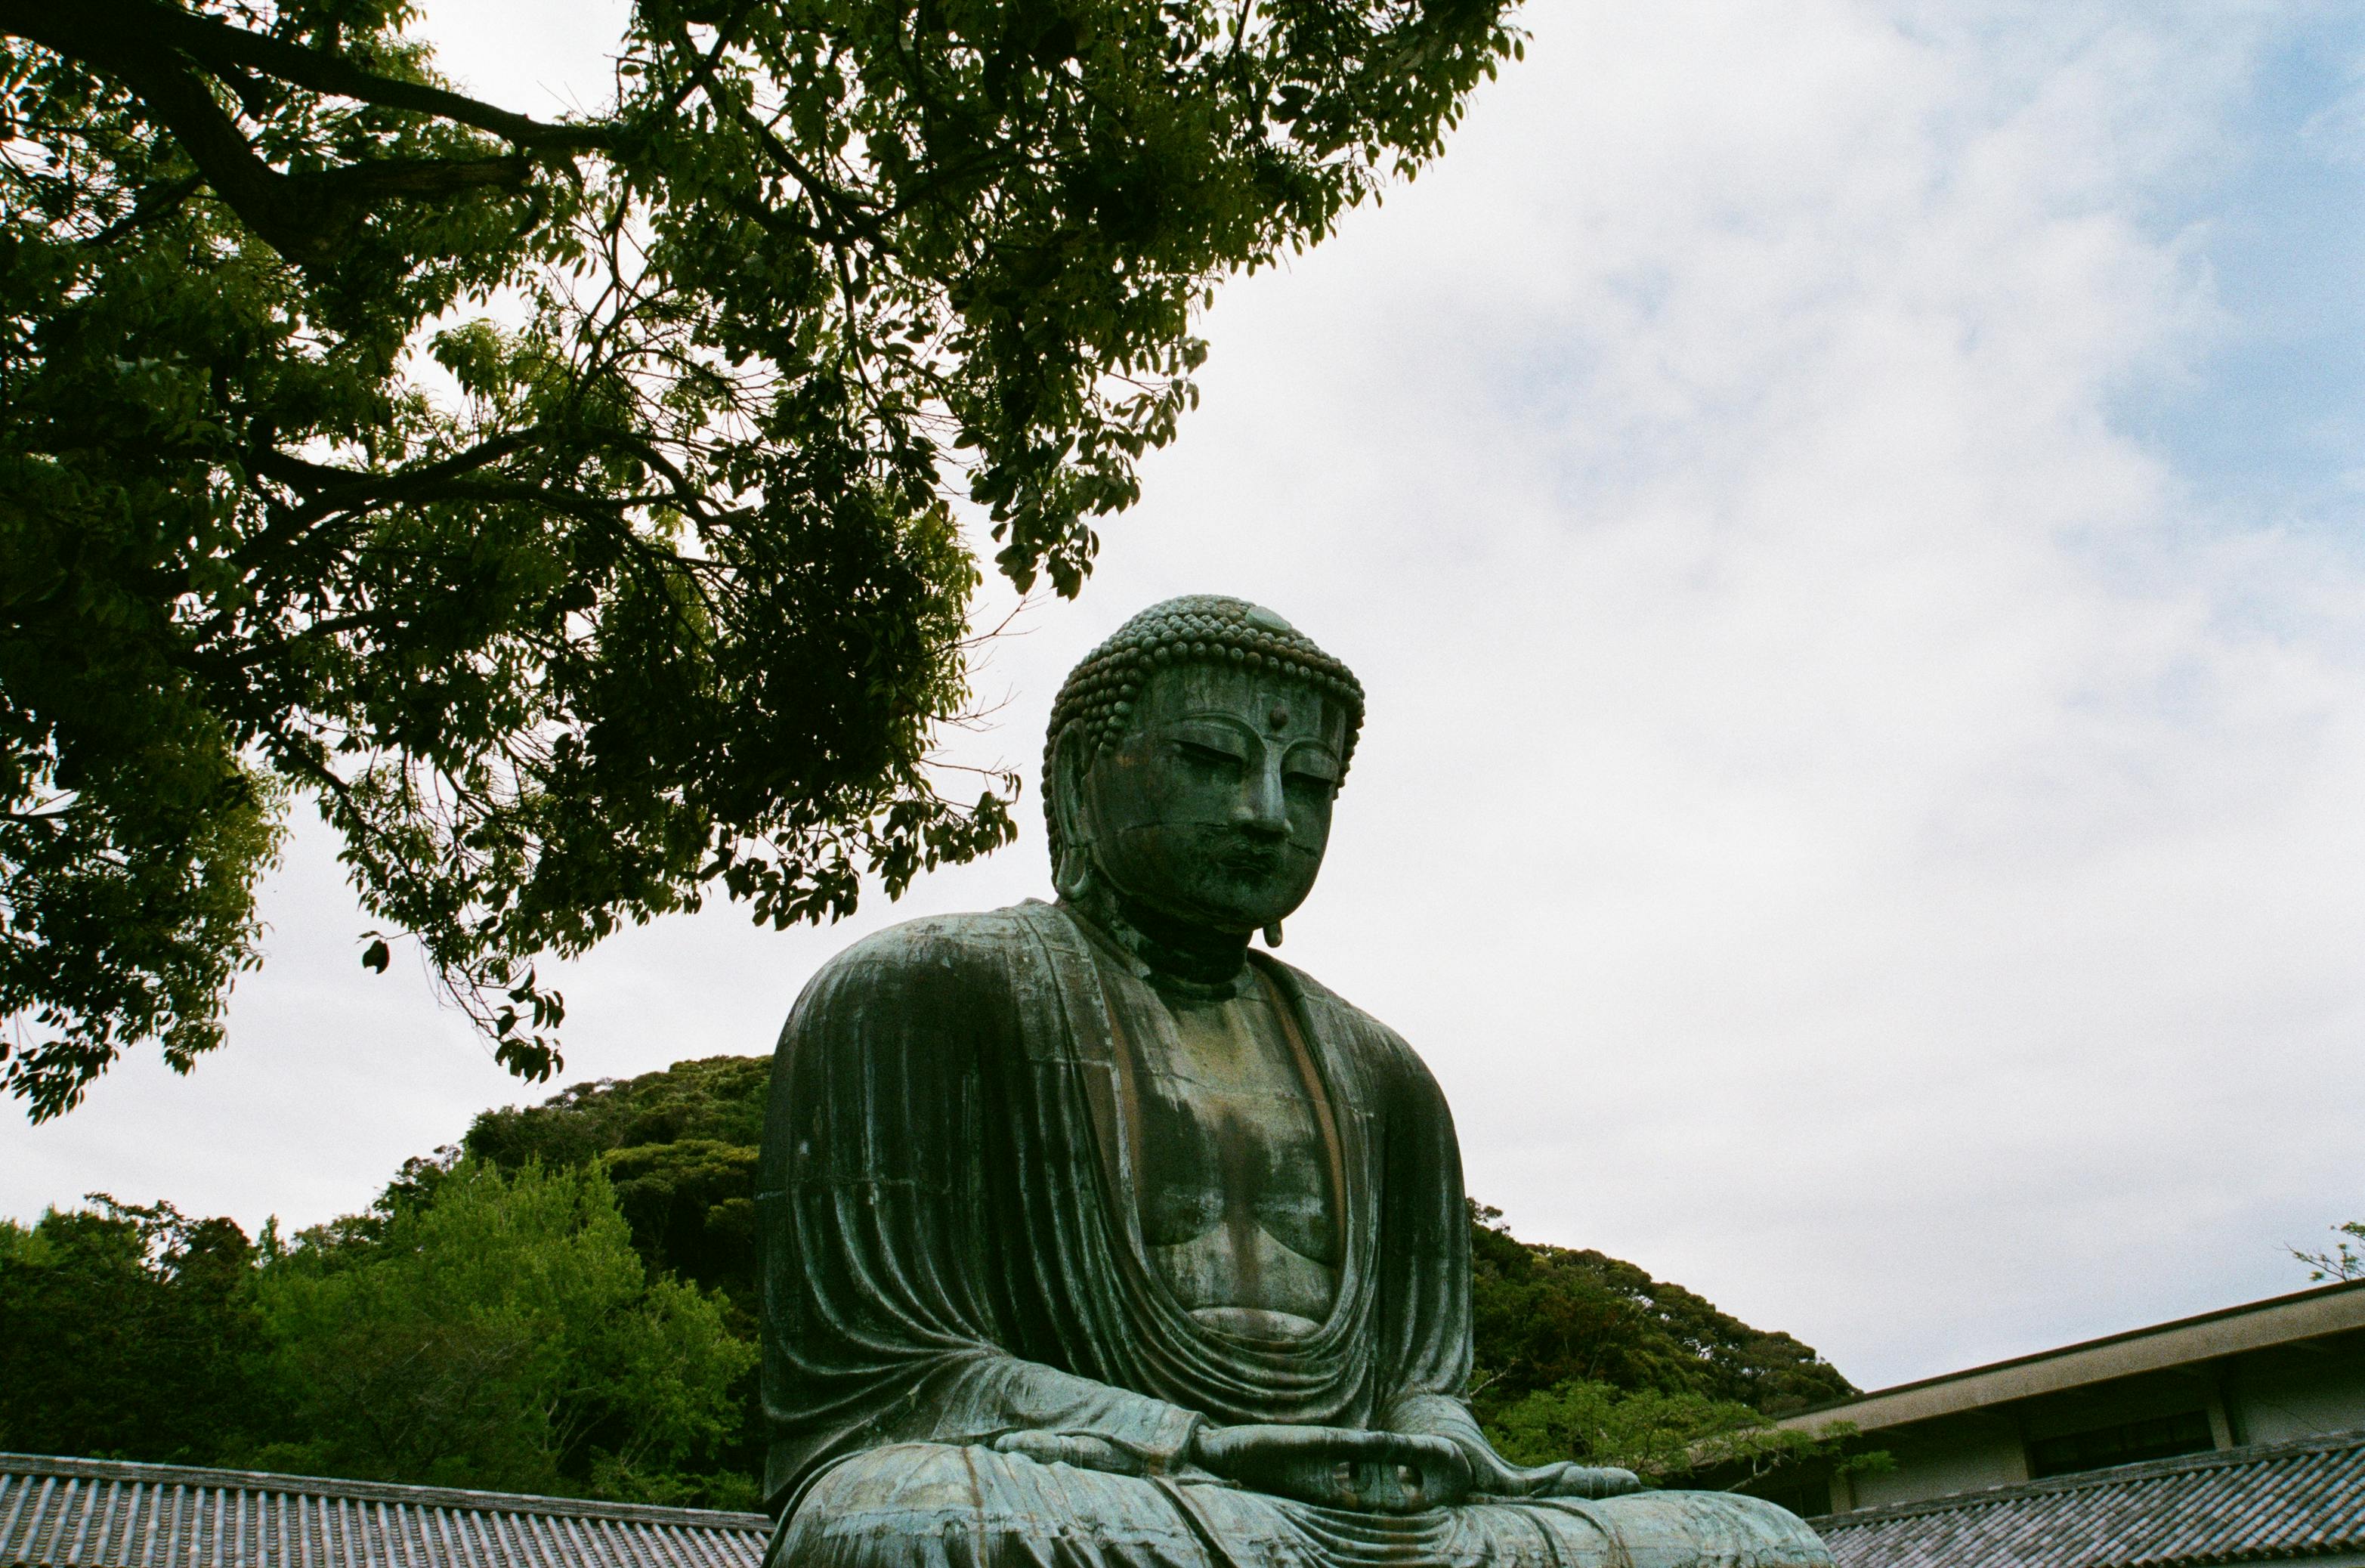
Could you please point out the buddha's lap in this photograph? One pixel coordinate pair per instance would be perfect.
(932, 1505)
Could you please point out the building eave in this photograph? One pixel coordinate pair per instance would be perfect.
(2255, 1325)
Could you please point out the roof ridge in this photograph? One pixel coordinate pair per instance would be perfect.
(2089, 1480)
(376, 1491)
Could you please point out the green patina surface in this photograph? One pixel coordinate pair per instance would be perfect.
(1091, 1234)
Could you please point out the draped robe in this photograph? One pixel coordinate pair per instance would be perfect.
(952, 1254)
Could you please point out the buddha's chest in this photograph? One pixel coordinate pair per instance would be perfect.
(1236, 1174)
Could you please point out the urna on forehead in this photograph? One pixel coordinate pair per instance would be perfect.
(1100, 692)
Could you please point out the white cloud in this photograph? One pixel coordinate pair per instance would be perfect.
(1852, 833)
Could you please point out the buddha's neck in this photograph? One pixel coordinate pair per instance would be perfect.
(1170, 950)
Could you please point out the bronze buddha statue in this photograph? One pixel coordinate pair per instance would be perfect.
(1091, 1234)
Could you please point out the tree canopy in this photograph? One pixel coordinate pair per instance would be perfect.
(573, 510)
(680, 1147)
(473, 1328)
(1546, 1316)
(1581, 1356)
(504, 1335)
(126, 1331)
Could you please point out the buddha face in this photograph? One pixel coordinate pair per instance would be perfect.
(1214, 809)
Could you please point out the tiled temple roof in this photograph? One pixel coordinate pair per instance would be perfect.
(2272, 1502)
(80, 1513)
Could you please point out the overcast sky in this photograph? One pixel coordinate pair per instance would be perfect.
(1849, 516)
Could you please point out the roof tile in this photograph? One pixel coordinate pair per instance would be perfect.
(79, 1513)
(2271, 1500)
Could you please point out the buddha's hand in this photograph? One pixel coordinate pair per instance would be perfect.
(1338, 1467)
(1493, 1476)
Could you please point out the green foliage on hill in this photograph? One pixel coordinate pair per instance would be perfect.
(1551, 1315)
(1581, 1356)
(126, 1332)
(566, 1301)
(680, 1148)
(504, 1336)
(473, 1328)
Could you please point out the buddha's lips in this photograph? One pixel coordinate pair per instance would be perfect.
(1251, 859)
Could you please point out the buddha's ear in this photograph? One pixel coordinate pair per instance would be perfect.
(1072, 865)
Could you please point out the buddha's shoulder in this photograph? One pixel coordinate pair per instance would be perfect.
(1341, 1020)
(961, 952)
(1319, 998)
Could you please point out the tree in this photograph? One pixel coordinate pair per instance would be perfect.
(568, 509)
(2343, 1261)
(1661, 1436)
(1551, 1315)
(125, 1332)
(1581, 1356)
(680, 1145)
(503, 1335)
(472, 1328)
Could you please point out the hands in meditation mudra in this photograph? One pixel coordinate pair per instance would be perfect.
(1093, 1238)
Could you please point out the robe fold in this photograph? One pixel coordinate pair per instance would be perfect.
(952, 1253)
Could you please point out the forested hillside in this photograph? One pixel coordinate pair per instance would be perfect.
(565, 1302)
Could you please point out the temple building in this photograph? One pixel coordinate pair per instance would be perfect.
(2235, 1436)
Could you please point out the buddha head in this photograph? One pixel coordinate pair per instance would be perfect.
(1191, 761)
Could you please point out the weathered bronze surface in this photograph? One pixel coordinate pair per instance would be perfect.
(1092, 1236)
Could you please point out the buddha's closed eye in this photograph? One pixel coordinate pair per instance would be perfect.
(1207, 755)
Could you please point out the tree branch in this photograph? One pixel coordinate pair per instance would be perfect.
(185, 108)
(308, 219)
(84, 27)
(320, 476)
(151, 203)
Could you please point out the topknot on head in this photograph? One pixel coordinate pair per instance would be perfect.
(1200, 628)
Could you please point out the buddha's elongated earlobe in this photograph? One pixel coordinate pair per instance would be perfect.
(1071, 861)
(1072, 875)
(1272, 934)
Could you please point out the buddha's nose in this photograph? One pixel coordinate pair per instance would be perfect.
(1262, 808)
